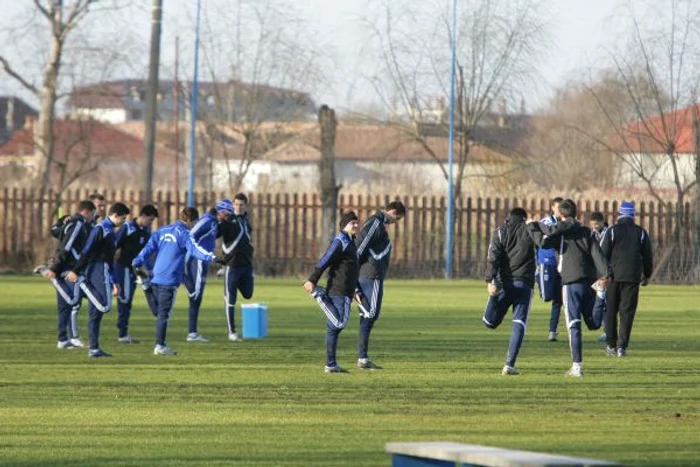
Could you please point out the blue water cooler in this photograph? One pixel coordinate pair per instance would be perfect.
(254, 320)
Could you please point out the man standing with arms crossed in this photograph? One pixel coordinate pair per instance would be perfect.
(628, 249)
(373, 253)
(238, 256)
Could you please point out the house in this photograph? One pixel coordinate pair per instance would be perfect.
(88, 151)
(644, 147)
(14, 113)
(374, 158)
(125, 100)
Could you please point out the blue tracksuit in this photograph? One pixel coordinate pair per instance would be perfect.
(548, 278)
(204, 233)
(601, 303)
(96, 261)
(130, 239)
(238, 274)
(171, 244)
(518, 294)
(373, 253)
(72, 235)
(343, 271)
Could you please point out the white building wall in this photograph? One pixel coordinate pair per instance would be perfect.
(103, 115)
(656, 166)
(380, 177)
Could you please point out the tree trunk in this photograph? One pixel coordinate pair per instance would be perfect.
(43, 137)
(326, 169)
(695, 212)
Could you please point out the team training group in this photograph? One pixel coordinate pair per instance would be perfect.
(591, 273)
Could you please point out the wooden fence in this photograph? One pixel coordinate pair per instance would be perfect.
(287, 227)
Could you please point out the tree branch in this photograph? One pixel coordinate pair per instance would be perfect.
(10, 71)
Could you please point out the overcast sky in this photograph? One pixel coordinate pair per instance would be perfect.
(578, 30)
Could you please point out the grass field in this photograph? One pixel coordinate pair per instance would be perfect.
(268, 402)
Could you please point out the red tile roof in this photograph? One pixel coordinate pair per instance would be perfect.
(77, 138)
(654, 134)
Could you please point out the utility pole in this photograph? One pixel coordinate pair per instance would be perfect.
(152, 99)
(176, 114)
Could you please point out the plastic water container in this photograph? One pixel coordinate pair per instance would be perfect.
(254, 320)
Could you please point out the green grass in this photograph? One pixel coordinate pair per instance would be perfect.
(268, 402)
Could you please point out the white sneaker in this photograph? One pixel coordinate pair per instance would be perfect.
(196, 337)
(127, 340)
(509, 371)
(66, 344)
(552, 337)
(233, 337)
(76, 342)
(163, 350)
(575, 371)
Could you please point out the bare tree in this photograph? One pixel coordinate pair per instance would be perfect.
(566, 146)
(60, 21)
(498, 46)
(326, 169)
(262, 63)
(658, 75)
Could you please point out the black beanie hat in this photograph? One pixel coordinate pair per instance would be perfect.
(346, 218)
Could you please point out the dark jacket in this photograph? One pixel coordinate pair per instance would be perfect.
(578, 254)
(237, 246)
(628, 249)
(71, 238)
(131, 238)
(343, 268)
(374, 247)
(511, 253)
(99, 248)
(58, 227)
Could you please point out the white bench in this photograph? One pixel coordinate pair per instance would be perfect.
(445, 454)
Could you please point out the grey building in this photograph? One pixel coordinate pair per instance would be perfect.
(232, 101)
(14, 113)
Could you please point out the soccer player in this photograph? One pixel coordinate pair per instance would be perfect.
(549, 280)
(130, 239)
(598, 227)
(238, 256)
(628, 248)
(170, 244)
(72, 235)
(373, 252)
(581, 263)
(56, 230)
(96, 261)
(204, 233)
(99, 201)
(343, 272)
(510, 275)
